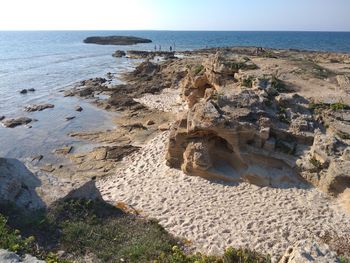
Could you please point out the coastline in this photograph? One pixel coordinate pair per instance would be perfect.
(203, 212)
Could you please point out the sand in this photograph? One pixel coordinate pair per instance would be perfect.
(214, 215)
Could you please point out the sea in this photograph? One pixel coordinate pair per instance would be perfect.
(50, 61)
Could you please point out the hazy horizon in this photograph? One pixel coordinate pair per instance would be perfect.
(182, 15)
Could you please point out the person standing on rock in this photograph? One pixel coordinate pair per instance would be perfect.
(171, 48)
(155, 48)
(160, 48)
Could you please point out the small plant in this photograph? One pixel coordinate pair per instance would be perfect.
(316, 163)
(198, 69)
(248, 82)
(338, 106)
(278, 84)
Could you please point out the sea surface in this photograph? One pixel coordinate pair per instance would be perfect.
(50, 61)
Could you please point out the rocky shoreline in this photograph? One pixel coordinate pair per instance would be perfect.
(255, 140)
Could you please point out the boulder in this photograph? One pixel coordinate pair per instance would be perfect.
(78, 108)
(40, 107)
(119, 54)
(11, 123)
(10, 257)
(18, 184)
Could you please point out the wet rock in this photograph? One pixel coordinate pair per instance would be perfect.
(31, 90)
(64, 150)
(24, 91)
(40, 107)
(11, 123)
(147, 68)
(85, 92)
(37, 158)
(47, 168)
(2, 117)
(79, 108)
(119, 54)
(138, 54)
(70, 118)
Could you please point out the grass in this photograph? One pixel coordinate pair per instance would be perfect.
(316, 163)
(319, 107)
(248, 82)
(278, 84)
(79, 227)
(198, 69)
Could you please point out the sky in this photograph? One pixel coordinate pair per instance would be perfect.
(259, 15)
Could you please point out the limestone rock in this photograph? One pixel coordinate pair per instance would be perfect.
(230, 134)
(40, 107)
(119, 54)
(18, 184)
(10, 257)
(337, 179)
(11, 123)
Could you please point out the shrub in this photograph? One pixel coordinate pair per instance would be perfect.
(198, 69)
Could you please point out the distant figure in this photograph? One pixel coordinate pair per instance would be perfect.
(160, 48)
(155, 48)
(171, 48)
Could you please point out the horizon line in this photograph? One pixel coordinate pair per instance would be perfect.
(169, 30)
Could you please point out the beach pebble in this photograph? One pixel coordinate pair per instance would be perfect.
(150, 122)
(78, 108)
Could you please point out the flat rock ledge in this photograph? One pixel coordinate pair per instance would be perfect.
(116, 40)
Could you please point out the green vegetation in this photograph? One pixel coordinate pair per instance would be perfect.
(248, 82)
(268, 54)
(321, 72)
(319, 107)
(198, 69)
(278, 84)
(79, 227)
(343, 259)
(316, 163)
(245, 65)
(231, 255)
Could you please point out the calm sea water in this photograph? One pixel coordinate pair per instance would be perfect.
(49, 61)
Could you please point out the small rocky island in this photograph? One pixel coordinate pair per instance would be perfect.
(116, 40)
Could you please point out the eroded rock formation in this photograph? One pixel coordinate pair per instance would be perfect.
(245, 125)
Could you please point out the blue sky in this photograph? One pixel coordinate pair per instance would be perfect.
(308, 15)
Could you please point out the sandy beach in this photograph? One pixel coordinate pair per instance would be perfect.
(212, 215)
